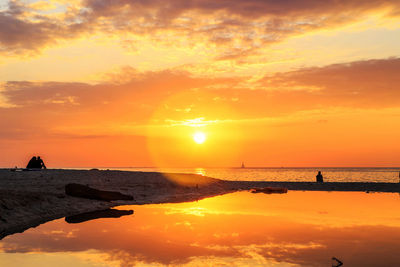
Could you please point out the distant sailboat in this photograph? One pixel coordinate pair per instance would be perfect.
(243, 165)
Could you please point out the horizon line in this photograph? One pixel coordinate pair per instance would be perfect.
(223, 167)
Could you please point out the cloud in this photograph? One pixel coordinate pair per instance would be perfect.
(148, 87)
(167, 10)
(179, 97)
(361, 84)
(50, 109)
(25, 30)
(237, 28)
(243, 25)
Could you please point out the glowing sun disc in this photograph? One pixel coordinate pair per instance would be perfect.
(199, 137)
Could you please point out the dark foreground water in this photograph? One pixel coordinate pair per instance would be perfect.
(239, 229)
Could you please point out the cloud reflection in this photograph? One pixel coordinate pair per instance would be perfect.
(155, 235)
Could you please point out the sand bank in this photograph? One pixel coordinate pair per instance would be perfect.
(30, 198)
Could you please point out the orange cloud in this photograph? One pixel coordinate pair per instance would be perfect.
(24, 30)
(239, 27)
(168, 102)
(361, 84)
(364, 84)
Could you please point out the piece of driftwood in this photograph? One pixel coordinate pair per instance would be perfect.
(79, 190)
(98, 214)
(270, 190)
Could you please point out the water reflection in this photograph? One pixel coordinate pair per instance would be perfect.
(93, 215)
(294, 229)
(200, 171)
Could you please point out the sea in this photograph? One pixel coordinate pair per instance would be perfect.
(303, 174)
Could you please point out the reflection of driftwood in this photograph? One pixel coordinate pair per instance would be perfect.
(270, 190)
(78, 190)
(108, 213)
(338, 262)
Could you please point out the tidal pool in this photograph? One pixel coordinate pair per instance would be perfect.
(238, 229)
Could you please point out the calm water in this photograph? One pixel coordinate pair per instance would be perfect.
(239, 229)
(390, 175)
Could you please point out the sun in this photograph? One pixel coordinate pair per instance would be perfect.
(199, 137)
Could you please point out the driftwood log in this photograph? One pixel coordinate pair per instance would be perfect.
(79, 190)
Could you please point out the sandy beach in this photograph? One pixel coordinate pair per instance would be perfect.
(30, 198)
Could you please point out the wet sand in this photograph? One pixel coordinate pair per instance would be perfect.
(30, 198)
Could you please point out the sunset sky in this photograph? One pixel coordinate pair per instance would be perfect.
(128, 83)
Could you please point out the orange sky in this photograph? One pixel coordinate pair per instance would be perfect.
(270, 83)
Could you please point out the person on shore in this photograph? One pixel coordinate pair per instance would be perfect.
(32, 163)
(36, 163)
(320, 179)
(40, 163)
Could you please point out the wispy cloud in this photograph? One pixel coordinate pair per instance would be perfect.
(237, 28)
(197, 122)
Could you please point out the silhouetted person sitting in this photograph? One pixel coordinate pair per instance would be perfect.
(41, 163)
(320, 179)
(31, 163)
(36, 163)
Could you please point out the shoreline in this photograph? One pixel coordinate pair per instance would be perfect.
(30, 198)
(325, 186)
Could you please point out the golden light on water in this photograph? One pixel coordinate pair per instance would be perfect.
(291, 229)
(199, 137)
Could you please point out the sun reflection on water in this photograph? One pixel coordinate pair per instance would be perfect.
(200, 171)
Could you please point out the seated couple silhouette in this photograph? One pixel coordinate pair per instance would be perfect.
(36, 163)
